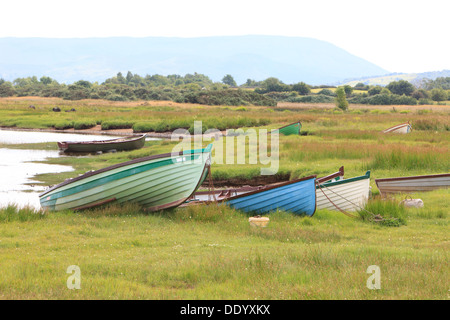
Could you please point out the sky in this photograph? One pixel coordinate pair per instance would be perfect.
(398, 35)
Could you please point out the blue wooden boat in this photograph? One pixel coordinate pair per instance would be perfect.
(295, 196)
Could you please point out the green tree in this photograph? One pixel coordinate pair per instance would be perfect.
(302, 88)
(401, 87)
(438, 94)
(229, 80)
(82, 83)
(341, 99)
(46, 80)
(374, 90)
(348, 90)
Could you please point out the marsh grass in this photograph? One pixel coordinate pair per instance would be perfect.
(389, 211)
(13, 212)
(212, 252)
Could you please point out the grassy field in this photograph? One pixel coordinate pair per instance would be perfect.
(211, 252)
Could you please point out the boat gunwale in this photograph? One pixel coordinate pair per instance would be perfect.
(293, 123)
(123, 164)
(413, 177)
(125, 139)
(289, 125)
(343, 181)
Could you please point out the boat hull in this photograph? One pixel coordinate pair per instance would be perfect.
(346, 194)
(155, 183)
(293, 128)
(401, 128)
(297, 196)
(413, 183)
(120, 144)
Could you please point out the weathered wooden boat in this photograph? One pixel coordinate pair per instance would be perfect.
(293, 128)
(400, 128)
(295, 196)
(413, 183)
(344, 194)
(155, 182)
(332, 176)
(118, 144)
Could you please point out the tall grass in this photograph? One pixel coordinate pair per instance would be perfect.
(386, 212)
(13, 212)
(410, 159)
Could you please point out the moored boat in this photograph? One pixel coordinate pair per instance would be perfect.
(155, 182)
(293, 128)
(118, 144)
(344, 194)
(400, 128)
(413, 183)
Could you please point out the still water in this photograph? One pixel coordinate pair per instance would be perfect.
(17, 167)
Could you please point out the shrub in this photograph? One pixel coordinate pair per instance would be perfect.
(117, 124)
(84, 124)
(311, 99)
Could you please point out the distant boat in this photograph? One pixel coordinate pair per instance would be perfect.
(155, 182)
(400, 128)
(293, 128)
(345, 194)
(295, 196)
(118, 144)
(413, 183)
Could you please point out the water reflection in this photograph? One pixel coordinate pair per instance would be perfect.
(17, 171)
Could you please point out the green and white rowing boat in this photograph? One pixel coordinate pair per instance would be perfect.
(155, 182)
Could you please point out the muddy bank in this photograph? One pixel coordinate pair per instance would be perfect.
(114, 132)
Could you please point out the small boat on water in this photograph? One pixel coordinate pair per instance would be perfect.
(413, 183)
(344, 194)
(118, 144)
(155, 182)
(400, 128)
(295, 196)
(293, 128)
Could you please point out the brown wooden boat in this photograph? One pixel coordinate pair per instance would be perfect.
(118, 144)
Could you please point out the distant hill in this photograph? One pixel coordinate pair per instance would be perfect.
(290, 59)
(414, 78)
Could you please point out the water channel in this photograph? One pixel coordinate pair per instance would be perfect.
(18, 166)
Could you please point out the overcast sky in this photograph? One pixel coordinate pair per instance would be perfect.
(397, 35)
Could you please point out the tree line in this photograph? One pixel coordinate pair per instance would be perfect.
(199, 88)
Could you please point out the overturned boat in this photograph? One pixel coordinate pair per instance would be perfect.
(155, 183)
(400, 128)
(413, 183)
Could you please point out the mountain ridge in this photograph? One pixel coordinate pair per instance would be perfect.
(290, 59)
(383, 80)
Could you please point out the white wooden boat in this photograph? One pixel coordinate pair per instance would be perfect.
(400, 128)
(344, 194)
(413, 183)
